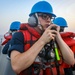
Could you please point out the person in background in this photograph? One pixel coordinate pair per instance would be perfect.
(60, 21)
(28, 45)
(14, 26)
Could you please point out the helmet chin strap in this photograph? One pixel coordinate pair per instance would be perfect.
(39, 25)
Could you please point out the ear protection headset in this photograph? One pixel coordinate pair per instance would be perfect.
(33, 20)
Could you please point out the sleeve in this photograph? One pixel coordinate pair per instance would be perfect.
(17, 43)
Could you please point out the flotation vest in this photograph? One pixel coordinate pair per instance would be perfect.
(69, 38)
(7, 37)
(30, 37)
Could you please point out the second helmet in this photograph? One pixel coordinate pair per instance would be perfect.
(60, 21)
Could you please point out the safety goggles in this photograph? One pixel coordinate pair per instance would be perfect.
(45, 16)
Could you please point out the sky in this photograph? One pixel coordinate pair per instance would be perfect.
(19, 10)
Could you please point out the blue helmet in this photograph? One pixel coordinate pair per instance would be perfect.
(42, 7)
(15, 25)
(60, 21)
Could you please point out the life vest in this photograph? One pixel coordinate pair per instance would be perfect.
(7, 37)
(30, 37)
(69, 38)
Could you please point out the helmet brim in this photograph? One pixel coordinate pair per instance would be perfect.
(42, 12)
